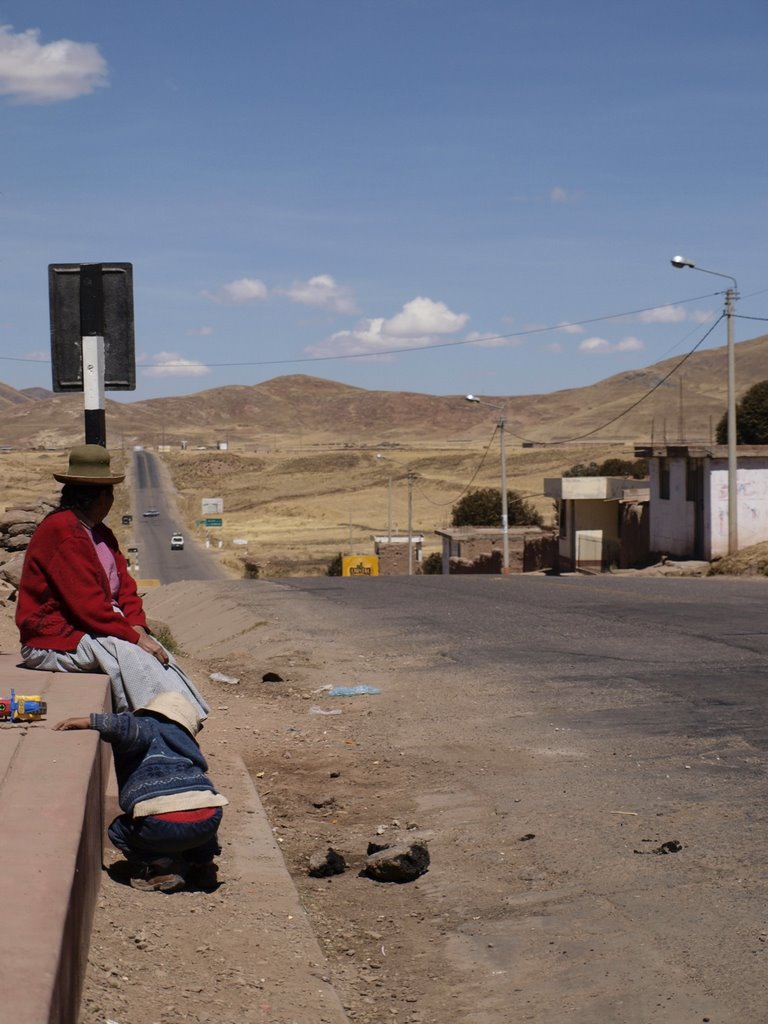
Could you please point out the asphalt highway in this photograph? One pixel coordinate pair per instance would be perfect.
(152, 534)
(699, 646)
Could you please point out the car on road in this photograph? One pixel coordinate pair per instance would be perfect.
(150, 512)
(177, 542)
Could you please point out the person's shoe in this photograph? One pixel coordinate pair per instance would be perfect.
(159, 877)
(202, 876)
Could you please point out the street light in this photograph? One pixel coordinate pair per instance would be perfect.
(731, 295)
(411, 476)
(503, 462)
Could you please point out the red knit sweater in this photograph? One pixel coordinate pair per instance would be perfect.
(64, 591)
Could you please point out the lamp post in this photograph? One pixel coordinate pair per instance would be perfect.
(503, 466)
(731, 295)
(410, 476)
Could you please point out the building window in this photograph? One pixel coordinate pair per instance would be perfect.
(664, 479)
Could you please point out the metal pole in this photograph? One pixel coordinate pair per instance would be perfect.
(389, 511)
(504, 508)
(410, 523)
(92, 350)
(93, 390)
(733, 529)
(730, 297)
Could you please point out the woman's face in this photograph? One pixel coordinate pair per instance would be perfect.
(102, 503)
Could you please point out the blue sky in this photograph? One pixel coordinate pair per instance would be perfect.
(375, 192)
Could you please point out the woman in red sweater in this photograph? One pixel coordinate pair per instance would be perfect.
(78, 609)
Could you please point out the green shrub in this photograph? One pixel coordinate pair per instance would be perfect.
(334, 566)
(432, 565)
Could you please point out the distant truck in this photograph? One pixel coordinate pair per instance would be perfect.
(177, 542)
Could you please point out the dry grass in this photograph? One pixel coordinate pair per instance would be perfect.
(298, 509)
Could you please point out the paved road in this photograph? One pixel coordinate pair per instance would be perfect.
(153, 534)
(701, 642)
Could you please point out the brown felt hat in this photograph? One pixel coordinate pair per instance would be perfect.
(89, 464)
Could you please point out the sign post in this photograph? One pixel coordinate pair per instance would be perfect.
(92, 343)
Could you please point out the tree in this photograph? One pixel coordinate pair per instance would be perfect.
(432, 565)
(751, 417)
(483, 508)
(334, 566)
(611, 467)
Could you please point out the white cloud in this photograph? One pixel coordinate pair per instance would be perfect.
(599, 346)
(560, 195)
(323, 292)
(201, 332)
(172, 364)
(421, 317)
(595, 345)
(663, 315)
(553, 346)
(629, 345)
(418, 324)
(572, 329)
(245, 289)
(35, 72)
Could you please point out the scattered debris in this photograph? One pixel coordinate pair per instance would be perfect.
(671, 846)
(397, 863)
(352, 691)
(315, 710)
(323, 863)
(219, 677)
(527, 836)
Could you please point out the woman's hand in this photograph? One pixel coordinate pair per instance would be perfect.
(72, 723)
(151, 646)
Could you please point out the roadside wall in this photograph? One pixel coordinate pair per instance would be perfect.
(51, 800)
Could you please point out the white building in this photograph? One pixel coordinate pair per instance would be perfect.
(689, 498)
(602, 519)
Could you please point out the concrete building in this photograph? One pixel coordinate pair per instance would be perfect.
(689, 498)
(393, 553)
(603, 521)
(479, 549)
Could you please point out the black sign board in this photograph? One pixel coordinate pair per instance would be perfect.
(92, 299)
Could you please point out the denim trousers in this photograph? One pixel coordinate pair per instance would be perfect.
(145, 839)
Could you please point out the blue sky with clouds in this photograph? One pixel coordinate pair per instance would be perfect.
(389, 193)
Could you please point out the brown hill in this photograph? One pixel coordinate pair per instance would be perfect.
(636, 405)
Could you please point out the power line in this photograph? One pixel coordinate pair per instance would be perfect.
(407, 348)
(656, 386)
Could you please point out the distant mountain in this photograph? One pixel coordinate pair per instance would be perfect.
(654, 403)
(36, 393)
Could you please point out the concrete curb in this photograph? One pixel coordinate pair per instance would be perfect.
(302, 988)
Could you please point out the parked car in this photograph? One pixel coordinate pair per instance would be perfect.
(177, 542)
(150, 512)
(127, 520)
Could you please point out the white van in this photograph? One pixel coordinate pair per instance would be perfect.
(177, 542)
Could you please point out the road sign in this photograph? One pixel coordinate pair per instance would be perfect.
(213, 522)
(92, 299)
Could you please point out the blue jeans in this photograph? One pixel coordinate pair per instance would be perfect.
(146, 839)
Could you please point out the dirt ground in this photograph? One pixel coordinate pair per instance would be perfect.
(324, 780)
